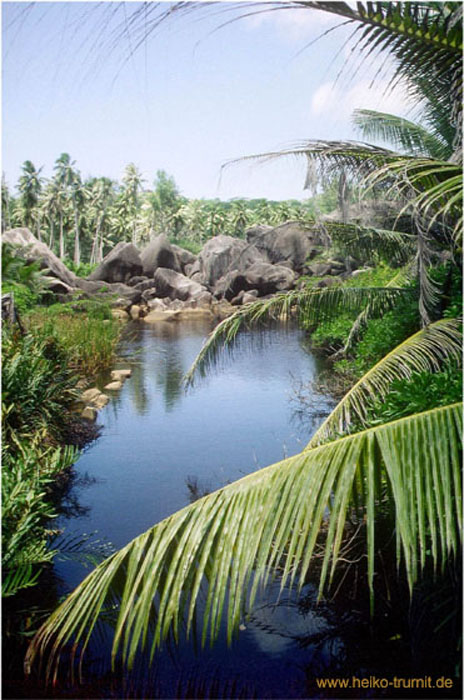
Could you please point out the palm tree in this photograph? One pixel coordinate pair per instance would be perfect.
(63, 179)
(30, 185)
(6, 205)
(231, 542)
(99, 194)
(132, 183)
(50, 205)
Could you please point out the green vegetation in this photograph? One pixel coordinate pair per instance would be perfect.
(38, 391)
(85, 330)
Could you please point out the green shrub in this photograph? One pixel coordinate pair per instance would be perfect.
(26, 477)
(332, 335)
(37, 385)
(187, 243)
(82, 269)
(421, 392)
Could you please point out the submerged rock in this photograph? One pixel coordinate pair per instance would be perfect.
(113, 386)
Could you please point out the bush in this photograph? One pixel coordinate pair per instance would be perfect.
(81, 270)
(26, 476)
(421, 392)
(37, 385)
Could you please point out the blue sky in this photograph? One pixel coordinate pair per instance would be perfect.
(189, 99)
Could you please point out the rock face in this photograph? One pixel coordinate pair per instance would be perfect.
(32, 249)
(185, 257)
(268, 279)
(220, 255)
(177, 286)
(122, 263)
(290, 242)
(160, 253)
(262, 277)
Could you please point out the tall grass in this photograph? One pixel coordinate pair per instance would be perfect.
(87, 333)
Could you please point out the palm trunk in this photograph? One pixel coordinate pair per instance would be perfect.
(77, 244)
(39, 236)
(51, 240)
(62, 250)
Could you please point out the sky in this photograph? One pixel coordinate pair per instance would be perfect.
(79, 77)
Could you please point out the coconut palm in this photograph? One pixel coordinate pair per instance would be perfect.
(132, 184)
(99, 195)
(30, 186)
(6, 205)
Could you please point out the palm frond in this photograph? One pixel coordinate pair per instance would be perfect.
(426, 350)
(233, 540)
(358, 159)
(309, 305)
(400, 279)
(413, 138)
(433, 189)
(366, 242)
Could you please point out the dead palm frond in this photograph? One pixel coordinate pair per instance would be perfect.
(229, 543)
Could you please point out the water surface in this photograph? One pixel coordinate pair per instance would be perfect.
(160, 442)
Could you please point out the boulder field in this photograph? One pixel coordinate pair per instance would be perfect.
(165, 281)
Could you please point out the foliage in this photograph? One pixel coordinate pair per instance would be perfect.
(87, 335)
(26, 476)
(420, 392)
(38, 391)
(37, 385)
(24, 279)
(425, 351)
(82, 269)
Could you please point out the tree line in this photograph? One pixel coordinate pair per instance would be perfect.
(81, 220)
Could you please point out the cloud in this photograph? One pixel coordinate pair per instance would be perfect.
(333, 99)
(295, 25)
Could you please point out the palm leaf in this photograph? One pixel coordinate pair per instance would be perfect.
(232, 540)
(309, 305)
(366, 242)
(433, 189)
(400, 279)
(426, 351)
(401, 133)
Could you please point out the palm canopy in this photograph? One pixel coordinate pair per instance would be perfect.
(210, 559)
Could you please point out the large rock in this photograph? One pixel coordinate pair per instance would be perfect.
(290, 242)
(177, 286)
(109, 292)
(185, 257)
(220, 255)
(32, 249)
(261, 276)
(122, 263)
(160, 253)
(268, 279)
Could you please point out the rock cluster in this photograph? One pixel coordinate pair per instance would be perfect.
(163, 279)
(94, 399)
